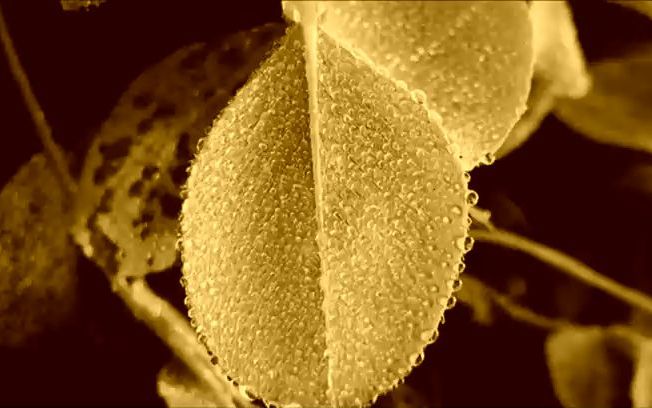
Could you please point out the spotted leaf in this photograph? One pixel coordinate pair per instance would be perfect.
(129, 198)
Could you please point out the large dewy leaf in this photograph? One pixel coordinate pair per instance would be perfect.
(322, 287)
(37, 259)
(469, 61)
(618, 109)
(129, 200)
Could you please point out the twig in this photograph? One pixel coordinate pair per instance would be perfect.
(173, 329)
(566, 264)
(52, 150)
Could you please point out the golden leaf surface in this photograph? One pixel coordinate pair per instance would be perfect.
(324, 295)
(469, 61)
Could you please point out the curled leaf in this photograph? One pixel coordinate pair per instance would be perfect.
(129, 194)
(469, 62)
(37, 259)
(617, 111)
(318, 270)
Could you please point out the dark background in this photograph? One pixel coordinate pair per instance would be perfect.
(560, 189)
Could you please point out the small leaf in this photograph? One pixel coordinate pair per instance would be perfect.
(76, 5)
(617, 111)
(322, 288)
(475, 296)
(642, 6)
(586, 365)
(129, 198)
(37, 259)
(469, 62)
(179, 387)
(641, 392)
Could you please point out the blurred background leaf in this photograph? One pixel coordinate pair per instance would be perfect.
(591, 366)
(38, 282)
(559, 68)
(76, 5)
(618, 109)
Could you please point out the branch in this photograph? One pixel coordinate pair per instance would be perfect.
(171, 327)
(52, 150)
(566, 264)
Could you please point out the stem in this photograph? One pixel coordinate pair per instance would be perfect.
(52, 150)
(566, 264)
(171, 327)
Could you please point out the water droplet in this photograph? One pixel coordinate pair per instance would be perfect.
(488, 158)
(472, 197)
(452, 301)
(460, 267)
(419, 96)
(457, 210)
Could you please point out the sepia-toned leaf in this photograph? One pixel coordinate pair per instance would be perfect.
(76, 5)
(37, 259)
(469, 62)
(585, 365)
(642, 6)
(559, 68)
(618, 109)
(318, 270)
(129, 198)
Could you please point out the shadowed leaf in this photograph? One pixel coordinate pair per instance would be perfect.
(591, 366)
(617, 111)
(37, 259)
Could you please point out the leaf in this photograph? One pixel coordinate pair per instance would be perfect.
(559, 68)
(129, 197)
(179, 387)
(641, 392)
(469, 62)
(76, 5)
(317, 274)
(474, 295)
(642, 6)
(617, 109)
(585, 365)
(558, 56)
(37, 260)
